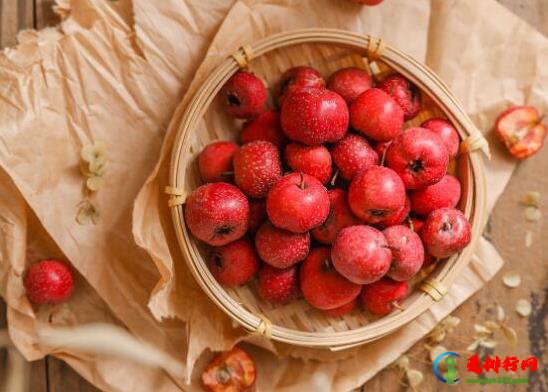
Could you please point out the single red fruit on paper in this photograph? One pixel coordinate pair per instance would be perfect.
(49, 282)
(521, 130)
(230, 371)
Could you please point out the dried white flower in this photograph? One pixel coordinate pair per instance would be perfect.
(531, 199)
(414, 377)
(501, 314)
(402, 362)
(87, 213)
(509, 333)
(532, 214)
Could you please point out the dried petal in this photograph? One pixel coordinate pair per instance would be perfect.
(437, 335)
(482, 329)
(87, 153)
(531, 199)
(98, 166)
(414, 377)
(528, 239)
(451, 321)
(510, 333)
(501, 314)
(473, 347)
(87, 213)
(95, 183)
(436, 351)
(491, 325)
(523, 307)
(402, 362)
(488, 343)
(511, 279)
(532, 214)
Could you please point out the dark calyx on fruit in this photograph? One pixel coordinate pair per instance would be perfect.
(416, 166)
(233, 100)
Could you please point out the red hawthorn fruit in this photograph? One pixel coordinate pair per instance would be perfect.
(405, 93)
(230, 371)
(376, 194)
(49, 282)
(446, 232)
(448, 134)
(257, 166)
(349, 83)
(521, 130)
(380, 297)
(215, 161)
(407, 252)
(361, 254)
(314, 116)
(266, 126)
(244, 95)
(339, 217)
(416, 224)
(297, 78)
(281, 248)
(322, 286)
(376, 115)
(342, 310)
(298, 203)
(233, 264)
(278, 285)
(312, 160)
(444, 193)
(419, 157)
(353, 154)
(217, 213)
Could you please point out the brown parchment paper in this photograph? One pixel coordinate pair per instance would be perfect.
(97, 78)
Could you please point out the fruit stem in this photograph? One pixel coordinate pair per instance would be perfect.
(411, 226)
(301, 185)
(383, 155)
(397, 305)
(332, 182)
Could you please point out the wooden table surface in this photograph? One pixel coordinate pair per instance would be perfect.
(506, 229)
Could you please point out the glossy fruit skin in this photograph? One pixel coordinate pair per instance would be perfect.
(257, 214)
(322, 286)
(298, 203)
(217, 213)
(257, 166)
(339, 217)
(281, 248)
(266, 126)
(405, 93)
(376, 115)
(361, 254)
(447, 132)
(378, 297)
(407, 252)
(311, 160)
(376, 194)
(314, 116)
(446, 232)
(397, 218)
(416, 224)
(349, 83)
(353, 154)
(521, 130)
(49, 282)
(342, 310)
(244, 95)
(419, 157)
(215, 161)
(279, 285)
(297, 78)
(444, 193)
(233, 264)
(230, 371)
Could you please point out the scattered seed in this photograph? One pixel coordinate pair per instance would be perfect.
(501, 314)
(414, 377)
(437, 335)
(510, 333)
(528, 238)
(474, 346)
(531, 199)
(511, 279)
(451, 321)
(402, 362)
(491, 325)
(87, 213)
(532, 214)
(523, 307)
(95, 183)
(488, 343)
(482, 329)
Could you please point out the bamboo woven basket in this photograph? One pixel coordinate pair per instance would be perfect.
(327, 50)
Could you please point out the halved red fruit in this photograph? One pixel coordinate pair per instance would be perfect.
(230, 371)
(521, 130)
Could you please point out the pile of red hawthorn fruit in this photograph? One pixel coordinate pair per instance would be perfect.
(329, 197)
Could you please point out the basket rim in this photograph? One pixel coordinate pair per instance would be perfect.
(430, 84)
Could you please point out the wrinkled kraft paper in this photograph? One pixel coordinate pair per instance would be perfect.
(117, 72)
